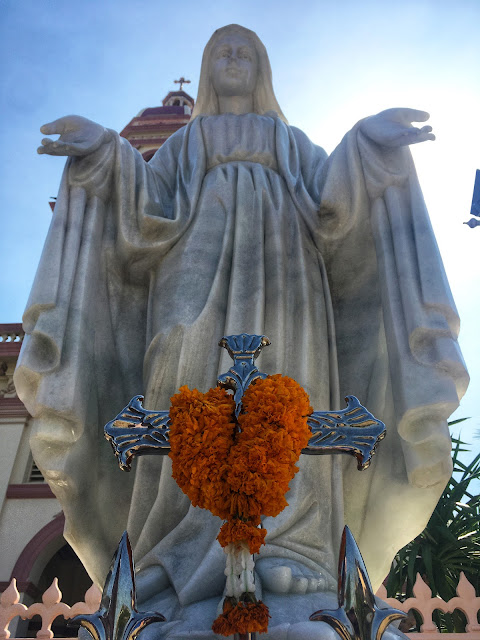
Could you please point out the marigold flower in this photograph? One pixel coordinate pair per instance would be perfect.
(244, 617)
(237, 530)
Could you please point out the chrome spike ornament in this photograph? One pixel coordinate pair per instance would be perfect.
(117, 618)
(357, 616)
(354, 430)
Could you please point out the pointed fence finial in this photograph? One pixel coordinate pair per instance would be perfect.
(357, 616)
(117, 617)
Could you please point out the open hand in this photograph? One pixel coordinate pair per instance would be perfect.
(393, 127)
(78, 137)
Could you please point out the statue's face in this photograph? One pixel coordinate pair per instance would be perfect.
(234, 66)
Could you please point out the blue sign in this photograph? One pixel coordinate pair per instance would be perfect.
(475, 210)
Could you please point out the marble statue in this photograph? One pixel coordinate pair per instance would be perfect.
(240, 224)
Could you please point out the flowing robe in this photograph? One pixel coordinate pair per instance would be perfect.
(240, 224)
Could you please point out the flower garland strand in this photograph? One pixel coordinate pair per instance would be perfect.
(239, 471)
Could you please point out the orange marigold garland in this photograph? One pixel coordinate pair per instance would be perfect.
(239, 470)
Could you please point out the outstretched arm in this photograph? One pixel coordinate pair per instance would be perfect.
(367, 158)
(393, 128)
(78, 137)
(105, 166)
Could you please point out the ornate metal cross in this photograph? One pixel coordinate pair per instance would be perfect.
(181, 82)
(137, 431)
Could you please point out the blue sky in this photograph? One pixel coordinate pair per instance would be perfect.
(333, 63)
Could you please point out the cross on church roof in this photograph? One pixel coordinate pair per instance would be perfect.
(181, 82)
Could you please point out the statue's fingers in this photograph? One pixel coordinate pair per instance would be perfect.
(47, 146)
(414, 115)
(415, 132)
(416, 136)
(57, 126)
(49, 149)
(55, 148)
(406, 116)
(51, 128)
(425, 133)
(423, 136)
(48, 128)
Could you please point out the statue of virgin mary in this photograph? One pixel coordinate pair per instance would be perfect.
(240, 223)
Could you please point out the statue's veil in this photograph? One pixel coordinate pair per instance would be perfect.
(264, 99)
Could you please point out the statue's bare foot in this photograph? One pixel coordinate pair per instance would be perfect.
(280, 575)
(150, 581)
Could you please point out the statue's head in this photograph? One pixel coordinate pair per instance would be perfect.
(249, 74)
